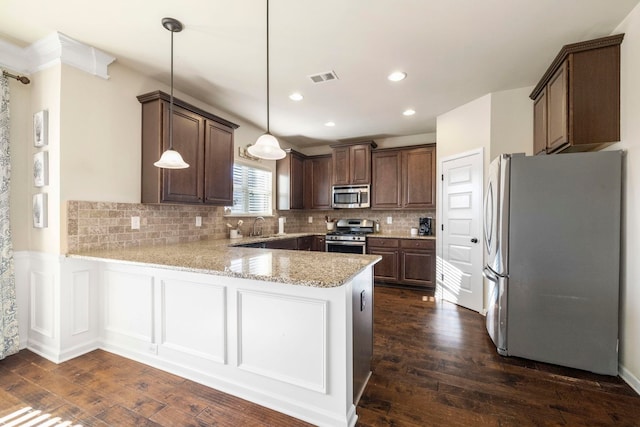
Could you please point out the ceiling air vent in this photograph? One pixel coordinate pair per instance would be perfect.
(323, 77)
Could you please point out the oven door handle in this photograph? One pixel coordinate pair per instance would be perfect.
(343, 243)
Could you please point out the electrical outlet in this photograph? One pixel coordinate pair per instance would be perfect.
(310, 220)
(198, 221)
(135, 223)
(284, 219)
(389, 220)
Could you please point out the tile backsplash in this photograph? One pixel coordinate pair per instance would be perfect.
(107, 225)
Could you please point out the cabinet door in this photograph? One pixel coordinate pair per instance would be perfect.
(290, 174)
(305, 243)
(297, 182)
(360, 164)
(387, 269)
(417, 262)
(318, 244)
(318, 182)
(184, 185)
(540, 123)
(291, 244)
(557, 109)
(418, 170)
(387, 179)
(340, 159)
(218, 164)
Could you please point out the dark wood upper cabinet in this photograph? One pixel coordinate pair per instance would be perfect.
(317, 182)
(218, 150)
(352, 163)
(404, 178)
(290, 181)
(418, 178)
(205, 142)
(303, 182)
(577, 101)
(386, 191)
(540, 123)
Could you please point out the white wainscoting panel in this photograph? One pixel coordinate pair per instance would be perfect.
(41, 307)
(194, 319)
(128, 305)
(81, 294)
(284, 338)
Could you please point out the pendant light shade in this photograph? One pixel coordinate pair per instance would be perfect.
(267, 146)
(171, 159)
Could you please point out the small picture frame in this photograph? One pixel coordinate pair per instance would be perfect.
(40, 128)
(40, 210)
(41, 169)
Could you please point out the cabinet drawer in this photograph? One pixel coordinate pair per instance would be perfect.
(381, 242)
(418, 244)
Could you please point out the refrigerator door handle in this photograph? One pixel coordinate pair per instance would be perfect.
(489, 274)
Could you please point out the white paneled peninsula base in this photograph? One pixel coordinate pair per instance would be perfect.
(288, 330)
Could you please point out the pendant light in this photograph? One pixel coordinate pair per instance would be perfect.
(267, 147)
(171, 159)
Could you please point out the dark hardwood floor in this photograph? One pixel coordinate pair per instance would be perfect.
(434, 365)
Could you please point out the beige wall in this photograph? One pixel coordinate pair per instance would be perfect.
(466, 128)
(511, 122)
(45, 95)
(630, 142)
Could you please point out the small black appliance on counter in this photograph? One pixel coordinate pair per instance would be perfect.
(425, 227)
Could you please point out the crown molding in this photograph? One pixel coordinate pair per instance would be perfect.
(56, 48)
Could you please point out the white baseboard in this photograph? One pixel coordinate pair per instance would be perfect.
(629, 378)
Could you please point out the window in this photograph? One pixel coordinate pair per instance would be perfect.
(251, 190)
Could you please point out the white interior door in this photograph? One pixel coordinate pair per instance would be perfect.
(460, 267)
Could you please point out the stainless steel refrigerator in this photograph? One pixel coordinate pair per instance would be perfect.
(552, 258)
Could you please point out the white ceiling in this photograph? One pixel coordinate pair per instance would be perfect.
(452, 50)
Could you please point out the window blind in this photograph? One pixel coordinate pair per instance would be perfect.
(251, 190)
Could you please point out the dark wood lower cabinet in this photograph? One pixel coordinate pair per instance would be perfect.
(291, 244)
(406, 262)
(319, 243)
(306, 243)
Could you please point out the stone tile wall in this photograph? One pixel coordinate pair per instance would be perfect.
(403, 220)
(107, 225)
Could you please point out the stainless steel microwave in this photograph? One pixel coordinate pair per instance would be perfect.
(351, 196)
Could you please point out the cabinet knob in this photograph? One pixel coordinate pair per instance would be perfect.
(474, 240)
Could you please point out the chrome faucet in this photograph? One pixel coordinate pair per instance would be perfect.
(255, 222)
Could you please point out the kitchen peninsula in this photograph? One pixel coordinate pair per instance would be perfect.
(290, 330)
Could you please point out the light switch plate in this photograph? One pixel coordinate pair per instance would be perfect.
(310, 220)
(198, 221)
(135, 223)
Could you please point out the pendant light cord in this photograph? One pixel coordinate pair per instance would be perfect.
(268, 131)
(171, 100)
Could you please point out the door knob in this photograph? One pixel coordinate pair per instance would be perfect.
(474, 240)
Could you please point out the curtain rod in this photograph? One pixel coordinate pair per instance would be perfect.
(21, 79)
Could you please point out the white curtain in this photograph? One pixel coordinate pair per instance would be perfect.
(9, 338)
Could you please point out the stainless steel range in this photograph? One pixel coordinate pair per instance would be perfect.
(350, 236)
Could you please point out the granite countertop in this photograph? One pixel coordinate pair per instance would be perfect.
(400, 235)
(221, 257)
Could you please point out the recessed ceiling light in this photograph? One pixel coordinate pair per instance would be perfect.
(409, 112)
(396, 76)
(296, 96)
(330, 124)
